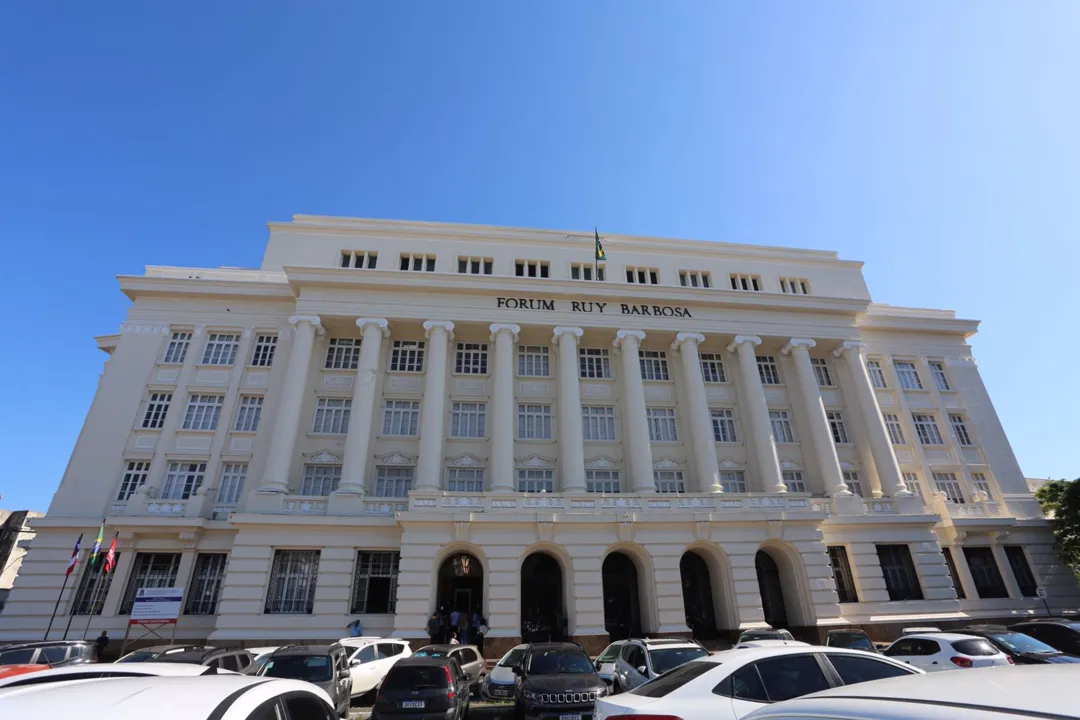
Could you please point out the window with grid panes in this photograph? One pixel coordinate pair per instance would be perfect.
(985, 573)
(468, 420)
(93, 589)
(149, 570)
(927, 430)
(642, 275)
(535, 481)
(953, 574)
(901, 580)
(469, 480)
(475, 265)
(582, 271)
(781, 426)
(841, 570)
(291, 589)
(723, 425)
(375, 582)
(205, 585)
(602, 481)
(471, 359)
(393, 481)
(182, 480)
(768, 370)
(407, 356)
(653, 365)
(221, 349)
(598, 422)
(534, 361)
(416, 263)
(156, 410)
(359, 259)
(178, 347)
(940, 378)
(342, 354)
(534, 422)
(946, 482)
(695, 278)
(795, 286)
(854, 484)
(532, 269)
(877, 375)
(662, 427)
(794, 481)
(909, 376)
(203, 412)
(320, 480)
(248, 413)
(669, 481)
(821, 372)
(712, 368)
(837, 427)
(958, 426)
(594, 363)
(232, 483)
(982, 484)
(401, 418)
(896, 431)
(332, 416)
(733, 481)
(742, 281)
(134, 476)
(1021, 570)
(914, 485)
(263, 354)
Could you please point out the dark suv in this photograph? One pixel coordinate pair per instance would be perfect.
(1022, 648)
(557, 680)
(423, 688)
(1062, 634)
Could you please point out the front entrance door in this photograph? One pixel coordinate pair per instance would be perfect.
(772, 591)
(463, 600)
(622, 606)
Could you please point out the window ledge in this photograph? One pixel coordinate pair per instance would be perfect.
(380, 436)
(450, 438)
(535, 441)
(244, 432)
(533, 378)
(195, 431)
(208, 366)
(259, 368)
(603, 442)
(327, 435)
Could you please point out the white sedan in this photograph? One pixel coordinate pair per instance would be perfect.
(734, 683)
(934, 652)
(501, 682)
(97, 671)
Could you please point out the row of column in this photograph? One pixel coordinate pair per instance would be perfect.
(636, 441)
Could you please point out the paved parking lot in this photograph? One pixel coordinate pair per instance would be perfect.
(478, 710)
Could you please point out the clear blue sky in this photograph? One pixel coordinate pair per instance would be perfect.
(938, 142)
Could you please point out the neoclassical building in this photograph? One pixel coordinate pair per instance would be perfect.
(391, 417)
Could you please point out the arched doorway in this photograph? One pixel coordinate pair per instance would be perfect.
(622, 606)
(771, 589)
(543, 616)
(461, 584)
(697, 596)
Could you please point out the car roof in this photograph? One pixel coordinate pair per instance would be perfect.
(444, 647)
(947, 637)
(1051, 621)
(43, 643)
(306, 649)
(753, 654)
(855, 631)
(660, 642)
(144, 668)
(554, 646)
(413, 661)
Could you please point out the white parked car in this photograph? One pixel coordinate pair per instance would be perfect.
(772, 643)
(501, 682)
(370, 658)
(95, 671)
(934, 652)
(1022, 693)
(223, 697)
(731, 684)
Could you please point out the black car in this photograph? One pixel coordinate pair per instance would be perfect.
(55, 653)
(557, 680)
(1022, 648)
(423, 688)
(850, 639)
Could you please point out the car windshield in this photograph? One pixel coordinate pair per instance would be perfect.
(559, 662)
(1021, 643)
(312, 668)
(138, 656)
(762, 635)
(975, 647)
(424, 677)
(853, 640)
(512, 658)
(668, 658)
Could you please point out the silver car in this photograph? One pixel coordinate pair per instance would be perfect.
(467, 656)
(640, 661)
(326, 666)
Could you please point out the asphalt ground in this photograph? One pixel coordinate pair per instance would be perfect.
(478, 710)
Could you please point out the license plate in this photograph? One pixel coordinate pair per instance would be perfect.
(500, 693)
(412, 704)
(570, 716)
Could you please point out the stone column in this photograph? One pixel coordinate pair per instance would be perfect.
(433, 416)
(502, 409)
(636, 443)
(361, 418)
(824, 447)
(757, 411)
(892, 481)
(700, 420)
(287, 425)
(571, 433)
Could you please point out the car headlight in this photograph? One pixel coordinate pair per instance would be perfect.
(603, 691)
(530, 695)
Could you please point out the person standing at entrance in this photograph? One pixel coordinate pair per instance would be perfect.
(100, 645)
(463, 628)
(433, 628)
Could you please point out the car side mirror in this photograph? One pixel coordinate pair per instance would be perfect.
(641, 669)
(517, 670)
(354, 662)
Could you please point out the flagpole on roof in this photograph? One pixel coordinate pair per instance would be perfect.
(71, 567)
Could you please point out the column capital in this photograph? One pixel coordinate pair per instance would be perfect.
(752, 340)
(686, 337)
(382, 323)
(432, 325)
(497, 328)
(626, 335)
(850, 345)
(314, 320)
(557, 334)
(798, 343)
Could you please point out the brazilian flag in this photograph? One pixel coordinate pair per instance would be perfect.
(600, 254)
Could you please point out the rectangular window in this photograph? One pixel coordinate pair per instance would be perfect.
(854, 484)
(841, 570)
(723, 425)
(332, 416)
(768, 370)
(982, 484)
(985, 573)
(534, 422)
(795, 286)
(836, 425)
(416, 263)
(393, 481)
(292, 582)
(535, 481)
(901, 580)
(263, 354)
(248, 414)
(914, 485)
(940, 378)
(156, 409)
(794, 481)
(662, 424)
(221, 349)
(375, 583)
(472, 359)
(598, 422)
(182, 480)
(712, 368)
(401, 418)
(470, 480)
(359, 259)
(733, 481)
(231, 486)
(320, 480)
(781, 426)
(342, 354)
(582, 271)
(821, 372)
(642, 275)
(953, 574)
(1021, 570)
(203, 412)
(946, 482)
(958, 426)
(927, 430)
(743, 281)
(532, 268)
(896, 432)
(178, 347)
(877, 375)
(468, 420)
(93, 589)
(205, 586)
(150, 570)
(653, 365)
(534, 361)
(695, 278)
(909, 376)
(669, 481)
(602, 481)
(407, 356)
(594, 363)
(134, 477)
(475, 265)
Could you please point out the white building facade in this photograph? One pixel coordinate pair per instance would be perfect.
(391, 417)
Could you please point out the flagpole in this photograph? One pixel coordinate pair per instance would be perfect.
(93, 602)
(56, 607)
(71, 611)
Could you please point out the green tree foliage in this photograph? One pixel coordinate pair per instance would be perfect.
(1060, 500)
